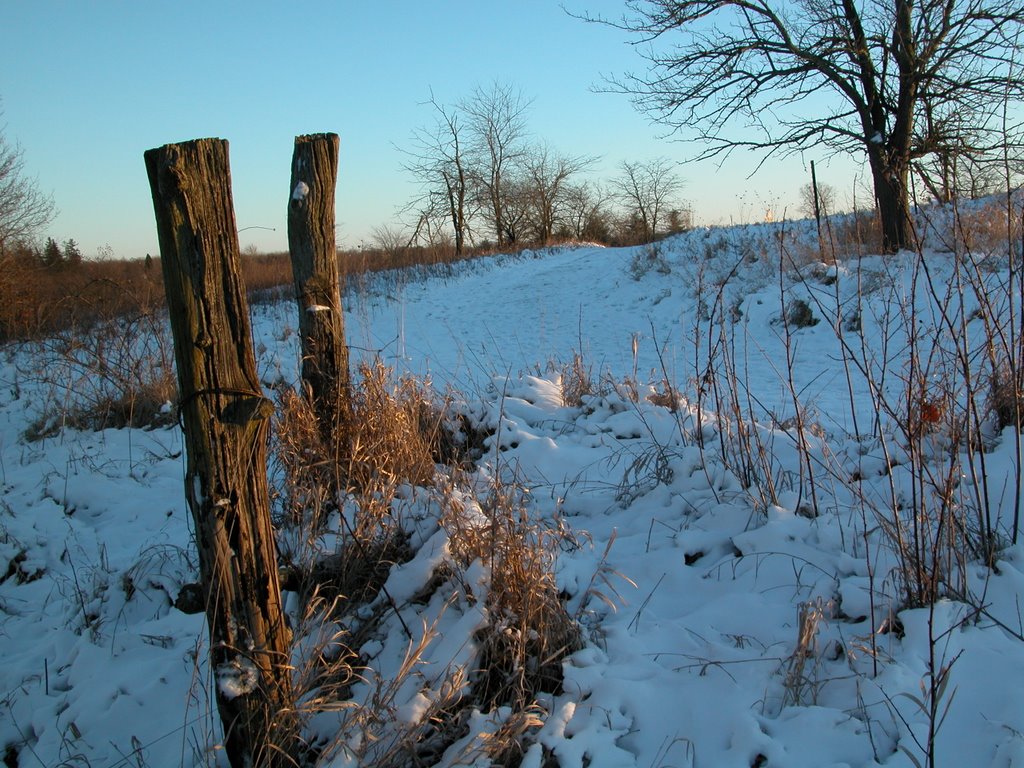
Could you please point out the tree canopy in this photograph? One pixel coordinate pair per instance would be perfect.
(895, 80)
(24, 209)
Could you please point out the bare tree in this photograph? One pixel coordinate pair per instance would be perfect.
(392, 240)
(953, 158)
(430, 229)
(740, 73)
(24, 210)
(496, 118)
(826, 204)
(517, 209)
(438, 161)
(647, 190)
(585, 215)
(546, 178)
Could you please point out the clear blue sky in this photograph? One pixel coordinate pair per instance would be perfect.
(87, 87)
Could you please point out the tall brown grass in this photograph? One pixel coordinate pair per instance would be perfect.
(36, 301)
(530, 631)
(399, 445)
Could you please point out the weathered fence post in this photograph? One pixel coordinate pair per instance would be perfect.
(817, 207)
(325, 373)
(226, 421)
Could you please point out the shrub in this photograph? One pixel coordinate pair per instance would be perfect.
(120, 373)
(1006, 398)
(800, 315)
(649, 258)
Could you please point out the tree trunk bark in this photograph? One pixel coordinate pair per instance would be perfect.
(226, 422)
(892, 196)
(457, 207)
(325, 372)
(890, 163)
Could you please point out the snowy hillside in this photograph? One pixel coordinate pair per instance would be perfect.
(778, 498)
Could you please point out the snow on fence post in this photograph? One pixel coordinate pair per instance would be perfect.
(311, 242)
(226, 420)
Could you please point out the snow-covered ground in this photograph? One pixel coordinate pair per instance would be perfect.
(743, 615)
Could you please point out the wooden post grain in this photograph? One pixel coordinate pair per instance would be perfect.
(311, 241)
(226, 421)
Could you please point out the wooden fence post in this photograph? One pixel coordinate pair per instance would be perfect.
(817, 207)
(226, 422)
(311, 241)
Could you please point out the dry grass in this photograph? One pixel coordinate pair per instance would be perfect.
(396, 432)
(396, 435)
(530, 632)
(853, 234)
(329, 667)
(388, 445)
(800, 683)
(576, 382)
(984, 229)
(120, 374)
(372, 734)
(1006, 397)
(355, 479)
(305, 463)
(38, 301)
(505, 741)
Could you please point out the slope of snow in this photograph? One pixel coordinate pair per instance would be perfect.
(691, 617)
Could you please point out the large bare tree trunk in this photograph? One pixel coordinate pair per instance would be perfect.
(325, 373)
(892, 196)
(226, 422)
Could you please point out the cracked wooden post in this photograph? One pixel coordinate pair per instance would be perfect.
(325, 373)
(226, 421)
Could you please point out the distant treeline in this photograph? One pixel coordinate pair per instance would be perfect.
(52, 288)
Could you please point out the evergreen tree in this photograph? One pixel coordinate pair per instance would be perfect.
(52, 255)
(72, 254)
